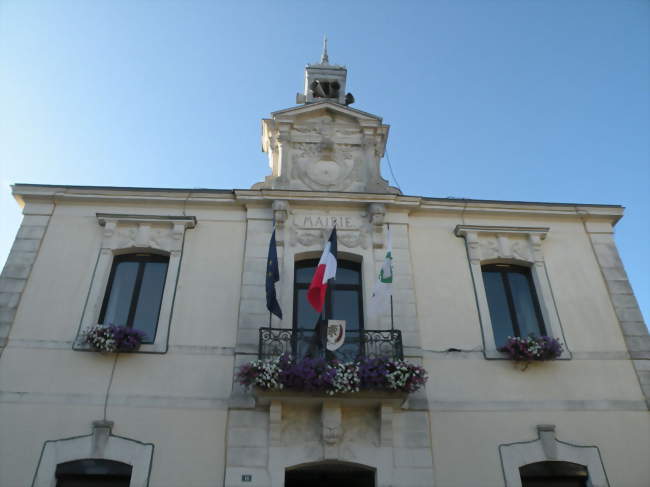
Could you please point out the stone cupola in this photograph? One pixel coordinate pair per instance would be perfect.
(323, 144)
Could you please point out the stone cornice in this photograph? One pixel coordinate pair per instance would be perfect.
(185, 221)
(240, 197)
(463, 230)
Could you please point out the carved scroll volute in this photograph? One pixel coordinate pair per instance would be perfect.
(370, 152)
(280, 214)
(377, 214)
(109, 229)
(283, 139)
(536, 246)
(473, 247)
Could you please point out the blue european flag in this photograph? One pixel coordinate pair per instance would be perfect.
(272, 276)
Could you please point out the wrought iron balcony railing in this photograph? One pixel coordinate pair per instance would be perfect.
(358, 344)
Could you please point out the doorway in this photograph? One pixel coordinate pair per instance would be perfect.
(329, 474)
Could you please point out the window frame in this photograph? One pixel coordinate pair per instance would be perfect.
(101, 444)
(142, 258)
(519, 246)
(131, 234)
(330, 298)
(504, 269)
(546, 447)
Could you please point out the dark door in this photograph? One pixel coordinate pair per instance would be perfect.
(330, 475)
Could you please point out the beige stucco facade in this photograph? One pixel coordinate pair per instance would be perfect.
(186, 421)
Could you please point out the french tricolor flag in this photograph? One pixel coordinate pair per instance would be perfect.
(325, 271)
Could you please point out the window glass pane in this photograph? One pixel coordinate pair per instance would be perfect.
(498, 304)
(151, 290)
(306, 316)
(345, 306)
(347, 276)
(119, 302)
(522, 297)
(305, 274)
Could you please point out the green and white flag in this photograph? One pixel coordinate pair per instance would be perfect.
(384, 284)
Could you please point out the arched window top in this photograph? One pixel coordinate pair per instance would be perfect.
(509, 265)
(347, 272)
(126, 251)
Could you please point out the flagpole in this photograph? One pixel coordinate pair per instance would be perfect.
(392, 319)
(272, 230)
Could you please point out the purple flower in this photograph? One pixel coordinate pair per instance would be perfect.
(113, 338)
(529, 349)
(317, 375)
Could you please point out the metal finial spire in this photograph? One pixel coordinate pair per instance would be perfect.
(324, 59)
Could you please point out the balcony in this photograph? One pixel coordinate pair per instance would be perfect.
(359, 344)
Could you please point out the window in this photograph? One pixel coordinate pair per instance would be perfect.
(134, 279)
(511, 284)
(99, 459)
(513, 304)
(134, 292)
(555, 474)
(343, 302)
(93, 473)
(547, 461)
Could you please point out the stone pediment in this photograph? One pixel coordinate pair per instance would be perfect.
(317, 106)
(325, 146)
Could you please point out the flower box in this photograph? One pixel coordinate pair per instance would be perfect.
(316, 376)
(532, 349)
(113, 338)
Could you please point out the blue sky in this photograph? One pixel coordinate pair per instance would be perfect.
(515, 100)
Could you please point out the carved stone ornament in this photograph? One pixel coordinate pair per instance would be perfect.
(144, 231)
(309, 228)
(353, 239)
(502, 247)
(377, 214)
(325, 147)
(306, 238)
(507, 243)
(331, 422)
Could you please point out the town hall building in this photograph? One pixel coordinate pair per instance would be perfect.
(187, 268)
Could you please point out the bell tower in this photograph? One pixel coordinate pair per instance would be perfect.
(325, 81)
(323, 144)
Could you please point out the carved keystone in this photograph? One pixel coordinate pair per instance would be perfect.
(547, 437)
(101, 431)
(331, 419)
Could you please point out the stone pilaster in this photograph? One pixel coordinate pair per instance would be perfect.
(625, 305)
(19, 264)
